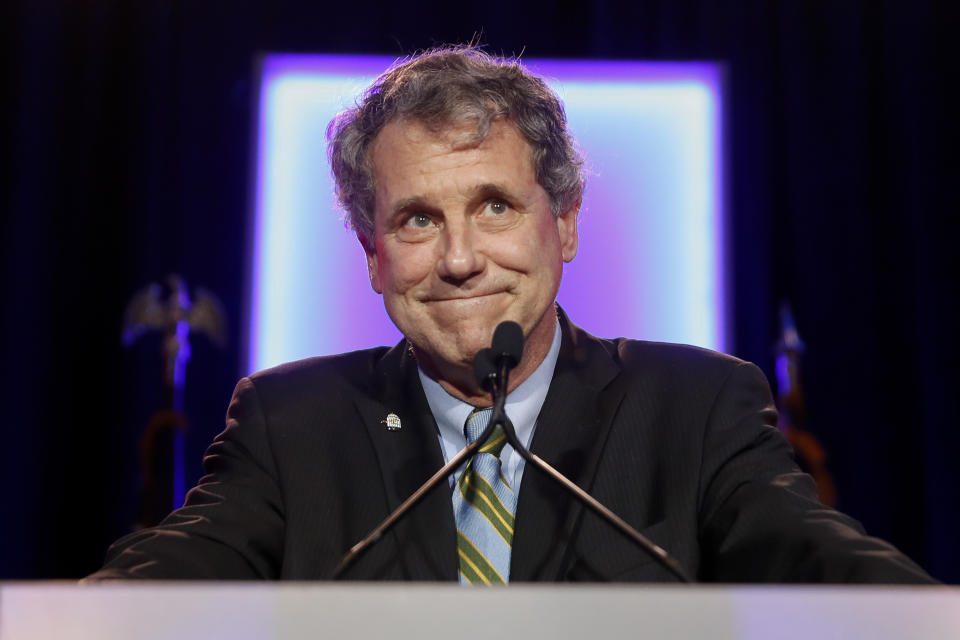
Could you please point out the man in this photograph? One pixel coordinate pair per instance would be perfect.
(463, 186)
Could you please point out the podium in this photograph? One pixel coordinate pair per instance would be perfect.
(424, 611)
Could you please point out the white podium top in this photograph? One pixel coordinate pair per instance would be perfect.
(241, 611)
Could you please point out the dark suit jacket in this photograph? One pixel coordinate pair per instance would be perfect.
(678, 441)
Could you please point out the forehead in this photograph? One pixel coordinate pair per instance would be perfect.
(403, 143)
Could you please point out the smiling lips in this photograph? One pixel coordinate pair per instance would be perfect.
(464, 298)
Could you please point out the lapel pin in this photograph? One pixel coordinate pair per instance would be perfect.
(392, 421)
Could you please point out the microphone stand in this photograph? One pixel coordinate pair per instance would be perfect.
(500, 417)
(497, 381)
(415, 497)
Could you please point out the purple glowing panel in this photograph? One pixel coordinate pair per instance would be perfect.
(651, 251)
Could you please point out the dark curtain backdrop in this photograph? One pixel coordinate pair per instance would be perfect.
(127, 132)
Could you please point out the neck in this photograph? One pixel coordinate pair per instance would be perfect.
(461, 383)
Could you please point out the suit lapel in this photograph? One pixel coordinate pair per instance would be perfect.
(425, 536)
(571, 432)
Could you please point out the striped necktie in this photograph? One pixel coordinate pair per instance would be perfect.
(484, 506)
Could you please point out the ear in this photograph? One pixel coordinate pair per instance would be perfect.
(567, 228)
(373, 264)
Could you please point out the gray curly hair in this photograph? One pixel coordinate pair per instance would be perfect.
(444, 86)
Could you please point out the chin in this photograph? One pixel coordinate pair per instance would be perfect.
(464, 346)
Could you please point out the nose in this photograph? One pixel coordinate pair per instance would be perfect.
(460, 256)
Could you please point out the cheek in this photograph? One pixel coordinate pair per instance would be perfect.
(402, 269)
(546, 242)
(527, 249)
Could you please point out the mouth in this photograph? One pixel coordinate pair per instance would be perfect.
(474, 296)
(467, 298)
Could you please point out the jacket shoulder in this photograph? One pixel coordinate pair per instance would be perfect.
(333, 374)
(654, 366)
(680, 362)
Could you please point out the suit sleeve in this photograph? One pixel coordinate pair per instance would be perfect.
(760, 519)
(232, 523)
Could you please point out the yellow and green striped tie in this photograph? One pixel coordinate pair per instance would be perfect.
(484, 506)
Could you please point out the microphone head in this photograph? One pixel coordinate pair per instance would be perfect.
(485, 368)
(507, 343)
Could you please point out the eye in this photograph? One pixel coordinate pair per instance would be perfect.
(419, 221)
(497, 214)
(498, 207)
(417, 227)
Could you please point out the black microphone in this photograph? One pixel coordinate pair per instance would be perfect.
(507, 343)
(492, 368)
(485, 369)
(505, 351)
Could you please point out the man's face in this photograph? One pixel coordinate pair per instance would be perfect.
(464, 239)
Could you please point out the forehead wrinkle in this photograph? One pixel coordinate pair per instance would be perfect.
(458, 135)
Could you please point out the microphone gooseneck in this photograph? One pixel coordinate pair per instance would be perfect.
(371, 538)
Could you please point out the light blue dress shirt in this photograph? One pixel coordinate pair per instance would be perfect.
(523, 407)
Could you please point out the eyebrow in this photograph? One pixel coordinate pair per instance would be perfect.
(492, 190)
(414, 203)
